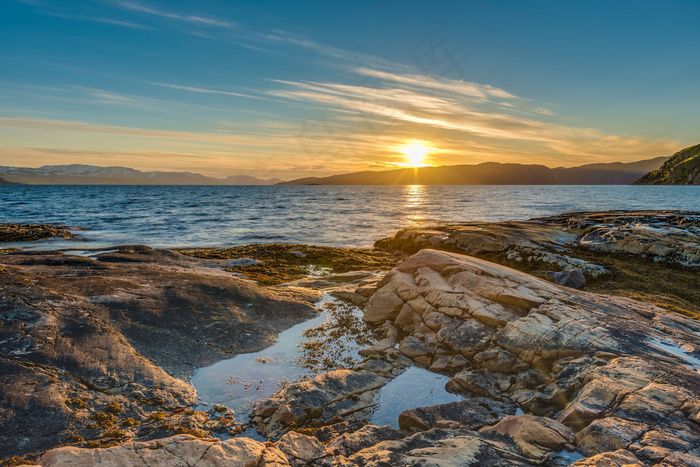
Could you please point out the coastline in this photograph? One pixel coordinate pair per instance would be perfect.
(50, 278)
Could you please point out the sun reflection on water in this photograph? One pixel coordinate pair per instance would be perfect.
(414, 199)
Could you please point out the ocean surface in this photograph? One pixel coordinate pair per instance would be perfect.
(357, 216)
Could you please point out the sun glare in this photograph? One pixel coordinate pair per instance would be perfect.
(415, 153)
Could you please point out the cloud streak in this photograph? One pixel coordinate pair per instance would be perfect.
(205, 91)
(192, 19)
(114, 22)
(463, 109)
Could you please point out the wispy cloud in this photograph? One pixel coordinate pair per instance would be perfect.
(194, 19)
(85, 127)
(95, 19)
(206, 91)
(465, 110)
(245, 37)
(97, 96)
(437, 83)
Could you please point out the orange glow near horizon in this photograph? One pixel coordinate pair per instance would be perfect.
(416, 154)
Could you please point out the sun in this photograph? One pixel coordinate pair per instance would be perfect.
(415, 153)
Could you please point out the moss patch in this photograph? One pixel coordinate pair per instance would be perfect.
(670, 286)
(279, 263)
(31, 232)
(666, 285)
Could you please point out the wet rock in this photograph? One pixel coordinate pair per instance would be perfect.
(352, 297)
(31, 232)
(330, 432)
(573, 278)
(478, 383)
(218, 408)
(469, 413)
(662, 235)
(444, 448)
(608, 434)
(338, 394)
(374, 365)
(348, 444)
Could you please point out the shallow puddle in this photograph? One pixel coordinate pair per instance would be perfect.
(671, 347)
(327, 342)
(87, 253)
(240, 381)
(415, 387)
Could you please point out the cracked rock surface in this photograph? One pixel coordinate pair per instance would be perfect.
(99, 349)
(603, 377)
(668, 236)
(549, 375)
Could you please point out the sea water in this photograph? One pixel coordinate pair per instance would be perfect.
(353, 216)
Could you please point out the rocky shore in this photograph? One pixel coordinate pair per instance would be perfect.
(546, 374)
(617, 251)
(98, 349)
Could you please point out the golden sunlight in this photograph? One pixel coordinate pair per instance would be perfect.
(415, 153)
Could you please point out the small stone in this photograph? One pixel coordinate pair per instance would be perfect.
(573, 278)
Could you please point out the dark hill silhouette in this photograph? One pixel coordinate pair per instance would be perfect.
(494, 173)
(683, 168)
(7, 182)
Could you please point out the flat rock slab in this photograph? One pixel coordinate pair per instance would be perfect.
(128, 326)
(614, 379)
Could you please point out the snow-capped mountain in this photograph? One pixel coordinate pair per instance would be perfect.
(79, 174)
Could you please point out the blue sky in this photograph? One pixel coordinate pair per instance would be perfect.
(290, 89)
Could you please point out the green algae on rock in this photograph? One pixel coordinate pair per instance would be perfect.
(31, 232)
(277, 263)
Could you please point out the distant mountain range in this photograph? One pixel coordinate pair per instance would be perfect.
(77, 174)
(494, 173)
(682, 168)
(487, 173)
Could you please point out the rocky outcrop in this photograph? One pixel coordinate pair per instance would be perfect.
(95, 350)
(614, 380)
(612, 370)
(472, 413)
(683, 168)
(665, 236)
(534, 435)
(597, 375)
